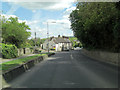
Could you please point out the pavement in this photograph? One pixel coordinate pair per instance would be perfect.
(26, 55)
(69, 69)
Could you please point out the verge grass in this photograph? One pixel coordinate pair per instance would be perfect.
(14, 63)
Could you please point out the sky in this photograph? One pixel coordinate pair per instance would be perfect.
(37, 13)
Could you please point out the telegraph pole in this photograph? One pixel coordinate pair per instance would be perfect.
(48, 36)
(48, 33)
(35, 39)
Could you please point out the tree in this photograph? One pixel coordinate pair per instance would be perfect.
(97, 25)
(38, 41)
(14, 32)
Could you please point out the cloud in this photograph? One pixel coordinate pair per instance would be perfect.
(69, 10)
(40, 32)
(61, 27)
(66, 14)
(20, 21)
(12, 9)
(32, 22)
(54, 21)
(8, 16)
(42, 4)
(38, 0)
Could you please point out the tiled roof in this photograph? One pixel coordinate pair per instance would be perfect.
(61, 40)
(58, 40)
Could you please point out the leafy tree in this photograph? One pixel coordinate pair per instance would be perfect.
(32, 42)
(36, 41)
(43, 40)
(14, 32)
(97, 25)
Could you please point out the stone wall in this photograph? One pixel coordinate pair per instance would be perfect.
(23, 51)
(103, 56)
(20, 52)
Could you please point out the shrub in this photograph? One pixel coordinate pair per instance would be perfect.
(8, 51)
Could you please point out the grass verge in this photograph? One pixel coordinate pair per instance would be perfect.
(14, 63)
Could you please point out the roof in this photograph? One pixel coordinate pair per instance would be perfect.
(59, 40)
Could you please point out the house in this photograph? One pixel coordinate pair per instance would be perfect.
(58, 43)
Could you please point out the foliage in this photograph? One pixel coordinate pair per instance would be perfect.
(75, 42)
(14, 32)
(97, 25)
(38, 41)
(26, 45)
(43, 40)
(9, 51)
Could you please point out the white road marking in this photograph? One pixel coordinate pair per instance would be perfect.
(71, 56)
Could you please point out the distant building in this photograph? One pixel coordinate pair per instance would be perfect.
(58, 43)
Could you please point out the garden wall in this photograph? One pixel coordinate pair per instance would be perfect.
(103, 56)
(22, 51)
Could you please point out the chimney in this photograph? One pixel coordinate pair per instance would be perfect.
(51, 38)
(58, 35)
(65, 37)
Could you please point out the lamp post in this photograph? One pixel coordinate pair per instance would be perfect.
(48, 33)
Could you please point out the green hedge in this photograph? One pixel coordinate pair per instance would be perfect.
(8, 51)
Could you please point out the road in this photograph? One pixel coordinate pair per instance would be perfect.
(68, 69)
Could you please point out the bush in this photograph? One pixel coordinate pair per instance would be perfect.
(8, 51)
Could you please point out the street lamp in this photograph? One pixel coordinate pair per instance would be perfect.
(48, 33)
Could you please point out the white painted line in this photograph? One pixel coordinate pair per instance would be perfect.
(71, 56)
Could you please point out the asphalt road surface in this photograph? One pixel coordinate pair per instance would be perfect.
(69, 69)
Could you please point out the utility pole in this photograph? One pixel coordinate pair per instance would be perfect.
(35, 39)
(48, 36)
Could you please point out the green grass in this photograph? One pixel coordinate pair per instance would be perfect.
(14, 63)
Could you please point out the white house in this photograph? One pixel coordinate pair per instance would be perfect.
(58, 43)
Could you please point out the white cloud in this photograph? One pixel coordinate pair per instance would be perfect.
(65, 16)
(38, 0)
(53, 21)
(32, 22)
(45, 5)
(69, 10)
(20, 21)
(8, 16)
(60, 27)
(12, 9)
(42, 4)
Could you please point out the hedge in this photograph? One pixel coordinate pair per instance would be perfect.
(8, 51)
